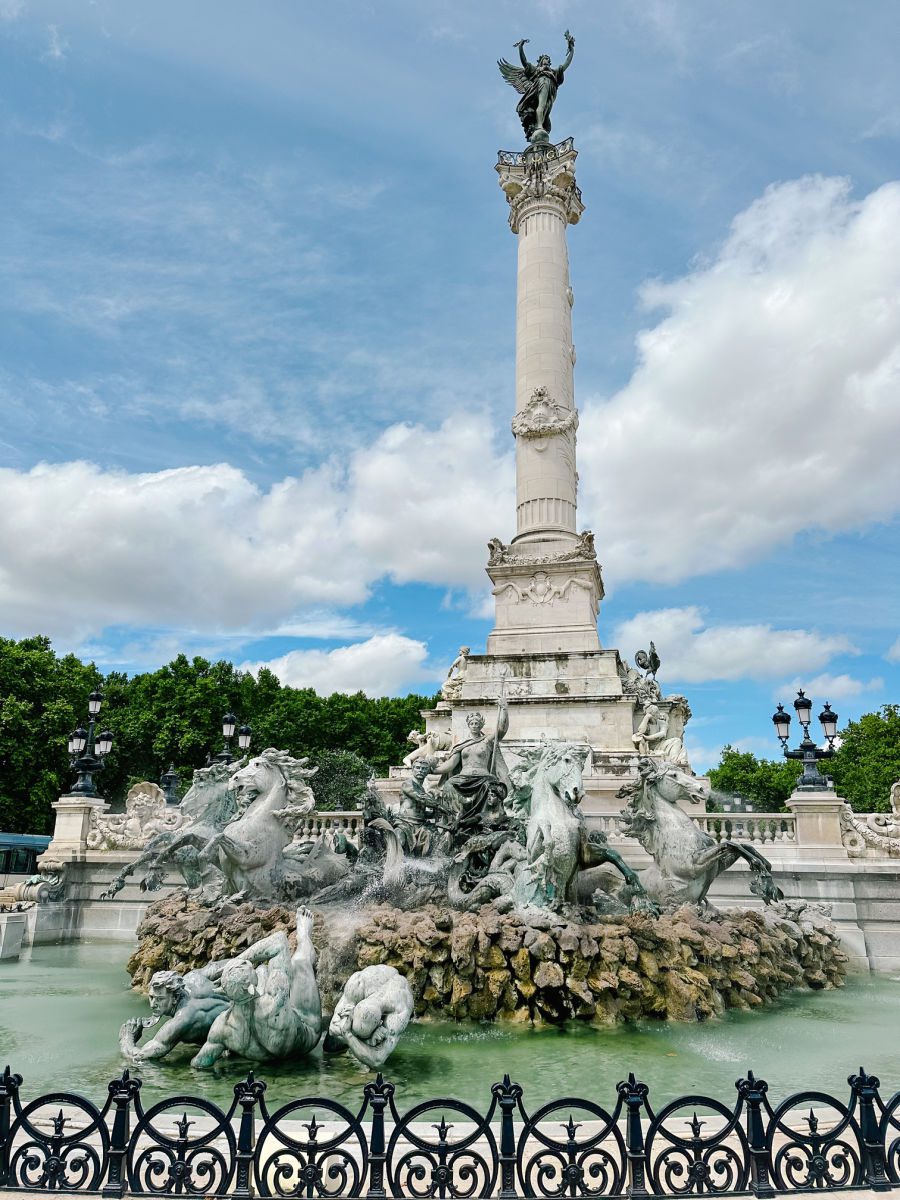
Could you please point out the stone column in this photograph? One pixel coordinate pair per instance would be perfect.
(818, 824)
(73, 820)
(547, 582)
(543, 201)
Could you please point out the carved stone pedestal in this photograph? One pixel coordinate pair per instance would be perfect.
(545, 607)
(818, 816)
(12, 930)
(73, 821)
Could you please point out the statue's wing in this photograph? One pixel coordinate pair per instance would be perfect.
(515, 76)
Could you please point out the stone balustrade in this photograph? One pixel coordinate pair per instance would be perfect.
(329, 824)
(760, 829)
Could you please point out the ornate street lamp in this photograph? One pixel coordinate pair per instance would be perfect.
(244, 734)
(87, 750)
(812, 778)
(169, 782)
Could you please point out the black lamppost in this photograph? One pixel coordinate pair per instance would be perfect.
(229, 725)
(169, 782)
(87, 752)
(812, 778)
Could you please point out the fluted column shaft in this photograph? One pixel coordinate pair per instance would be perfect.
(543, 198)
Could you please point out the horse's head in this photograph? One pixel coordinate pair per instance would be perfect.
(208, 798)
(562, 765)
(674, 785)
(274, 772)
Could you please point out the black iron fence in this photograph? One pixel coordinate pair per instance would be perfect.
(313, 1146)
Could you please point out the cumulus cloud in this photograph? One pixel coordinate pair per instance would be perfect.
(832, 687)
(765, 399)
(82, 548)
(763, 403)
(893, 654)
(381, 666)
(693, 652)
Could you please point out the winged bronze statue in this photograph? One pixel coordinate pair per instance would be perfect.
(537, 84)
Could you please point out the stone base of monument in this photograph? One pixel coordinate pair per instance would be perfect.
(12, 931)
(490, 966)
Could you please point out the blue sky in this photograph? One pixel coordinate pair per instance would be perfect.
(257, 336)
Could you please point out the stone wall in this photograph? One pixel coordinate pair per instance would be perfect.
(488, 966)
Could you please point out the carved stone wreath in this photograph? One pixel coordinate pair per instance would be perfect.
(543, 416)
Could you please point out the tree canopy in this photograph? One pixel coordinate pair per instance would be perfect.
(764, 784)
(174, 714)
(868, 761)
(865, 766)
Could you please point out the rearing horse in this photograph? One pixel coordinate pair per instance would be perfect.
(205, 810)
(553, 772)
(685, 859)
(271, 792)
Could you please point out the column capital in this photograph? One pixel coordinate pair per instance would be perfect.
(541, 179)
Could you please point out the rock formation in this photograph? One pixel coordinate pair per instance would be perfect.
(499, 966)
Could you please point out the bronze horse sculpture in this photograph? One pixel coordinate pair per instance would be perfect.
(686, 860)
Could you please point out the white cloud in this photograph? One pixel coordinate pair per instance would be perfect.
(691, 652)
(893, 654)
(10, 10)
(382, 666)
(765, 400)
(831, 687)
(56, 45)
(82, 548)
(764, 403)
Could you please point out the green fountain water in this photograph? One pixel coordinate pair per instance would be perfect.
(61, 1008)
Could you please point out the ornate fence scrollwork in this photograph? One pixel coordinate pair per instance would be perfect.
(589, 1159)
(311, 1147)
(58, 1142)
(317, 1148)
(182, 1145)
(695, 1145)
(459, 1160)
(889, 1137)
(814, 1142)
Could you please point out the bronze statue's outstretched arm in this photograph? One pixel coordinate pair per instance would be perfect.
(564, 66)
(520, 46)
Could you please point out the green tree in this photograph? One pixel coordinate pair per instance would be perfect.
(42, 699)
(762, 782)
(868, 760)
(341, 778)
(174, 715)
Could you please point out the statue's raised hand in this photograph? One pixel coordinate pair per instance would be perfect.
(570, 41)
(520, 43)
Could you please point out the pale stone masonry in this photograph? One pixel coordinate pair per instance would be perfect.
(544, 652)
(547, 583)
